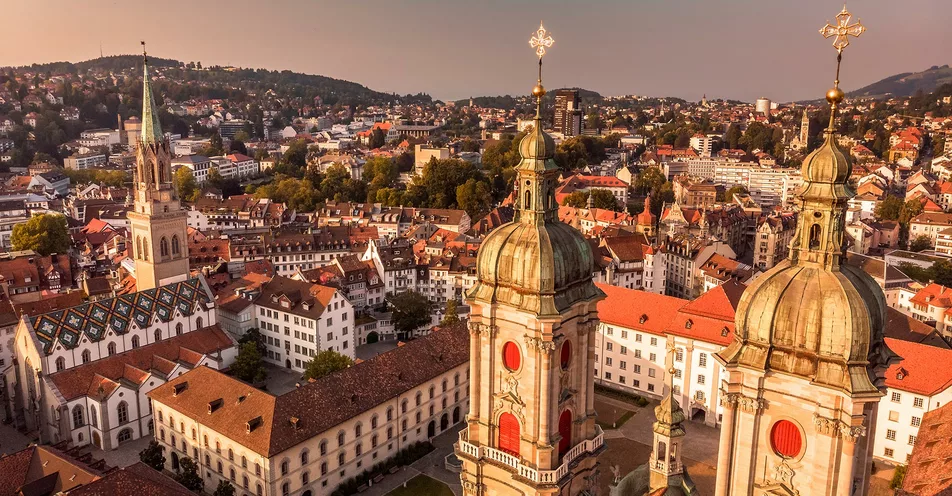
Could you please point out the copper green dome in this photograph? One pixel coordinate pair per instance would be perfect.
(536, 262)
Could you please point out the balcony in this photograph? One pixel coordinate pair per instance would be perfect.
(465, 448)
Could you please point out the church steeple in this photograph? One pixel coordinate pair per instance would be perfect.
(151, 127)
(665, 461)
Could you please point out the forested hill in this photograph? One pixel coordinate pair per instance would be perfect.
(509, 102)
(284, 83)
(907, 83)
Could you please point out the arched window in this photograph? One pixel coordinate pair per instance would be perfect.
(60, 364)
(139, 247)
(305, 456)
(815, 236)
(323, 448)
(389, 413)
(176, 249)
(340, 438)
(163, 247)
(124, 435)
(122, 411)
(285, 465)
(285, 489)
(662, 447)
(509, 434)
(358, 429)
(111, 349)
(178, 329)
(528, 202)
(198, 323)
(565, 430)
(145, 249)
(78, 417)
(373, 422)
(456, 379)
(403, 406)
(93, 416)
(444, 385)
(135, 341)
(432, 391)
(565, 355)
(305, 478)
(419, 398)
(158, 334)
(87, 356)
(340, 459)
(511, 356)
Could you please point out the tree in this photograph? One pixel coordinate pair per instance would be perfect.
(604, 199)
(188, 475)
(733, 136)
(898, 476)
(452, 314)
(411, 310)
(729, 194)
(254, 335)
(648, 180)
(238, 146)
(224, 489)
(920, 243)
(378, 138)
(45, 234)
(474, 197)
(889, 208)
(248, 366)
(185, 183)
(152, 456)
(326, 362)
(576, 199)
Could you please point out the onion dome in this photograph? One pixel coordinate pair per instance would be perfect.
(811, 315)
(536, 262)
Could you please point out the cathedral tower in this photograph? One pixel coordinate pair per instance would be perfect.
(157, 221)
(806, 369)
(531, 427)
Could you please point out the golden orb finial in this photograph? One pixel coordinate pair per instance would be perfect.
(835, 95)
(538, 91)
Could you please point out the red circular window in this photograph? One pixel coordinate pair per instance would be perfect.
(565, 355)
(785, 439)
(511, 356)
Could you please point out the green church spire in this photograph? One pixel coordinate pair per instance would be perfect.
(151, 128)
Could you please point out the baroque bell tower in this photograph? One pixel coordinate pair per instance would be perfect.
(531, 427)
(806, 369)
(157, 222)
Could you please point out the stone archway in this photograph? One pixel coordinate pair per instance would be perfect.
(175, 462)
(698, 414)
(97, 441)
(373, 337)
(444, 422)
(431, 429)
(456, 415)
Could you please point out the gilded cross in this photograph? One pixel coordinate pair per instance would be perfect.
(541, 41)
(842, 30)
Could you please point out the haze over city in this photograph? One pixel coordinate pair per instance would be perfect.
(454, 49)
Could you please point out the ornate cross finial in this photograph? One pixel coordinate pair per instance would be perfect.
(541, 41)
(840, 33)
(842, 30)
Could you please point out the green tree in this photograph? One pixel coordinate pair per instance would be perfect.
(185, 183)
(326, 362)
(411, 310)
(474, 197)
(248, 366)
(898, 476)
(254, 335)
(889, 208)
(604, 199)
(576, 199)
(733, 136)
(921, 243)
(188, 475)
(44, 234)
(152, 456)
(452, 313)
(648, 180)
(594, 121)
(296, 154)
(728, 195)
(378, 138)
(224, 489)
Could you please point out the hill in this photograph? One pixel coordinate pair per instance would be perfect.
(508, 102)
(907, 83)
(287, 83)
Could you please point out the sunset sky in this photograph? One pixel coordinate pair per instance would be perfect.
(454, 49)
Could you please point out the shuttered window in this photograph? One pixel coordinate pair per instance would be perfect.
(509, 434)
(785, 439)
(510, 356)
(565, 430)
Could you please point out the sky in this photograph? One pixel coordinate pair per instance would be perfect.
(453, 49)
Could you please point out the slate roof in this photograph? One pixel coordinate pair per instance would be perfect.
(929, 467)
(65, 327)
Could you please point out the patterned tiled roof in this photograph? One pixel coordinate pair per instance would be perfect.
(142, 308)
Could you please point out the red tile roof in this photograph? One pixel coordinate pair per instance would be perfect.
(138, 479)
(917, 372)
(639, 310)
(929, 468)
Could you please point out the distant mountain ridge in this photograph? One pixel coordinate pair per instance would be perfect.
(330, 90)
(907, 83)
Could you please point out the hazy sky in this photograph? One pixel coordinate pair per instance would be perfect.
(454, 48)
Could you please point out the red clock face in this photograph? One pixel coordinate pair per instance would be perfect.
(786, 440)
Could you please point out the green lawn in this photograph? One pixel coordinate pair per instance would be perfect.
(422, 485)
(618, 423)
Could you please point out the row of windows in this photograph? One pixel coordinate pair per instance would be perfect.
(917, 402)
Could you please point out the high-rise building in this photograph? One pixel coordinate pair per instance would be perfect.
(806, 370)
(158, 223)
(531, 426)
(805, 130)
(568, 113)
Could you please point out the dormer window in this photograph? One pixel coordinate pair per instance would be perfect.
(689, 324)
(643, 319)
(724, 332)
